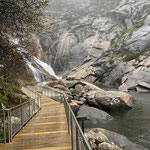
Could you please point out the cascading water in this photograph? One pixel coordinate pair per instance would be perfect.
(46, 67)
(41, 70)
(38, 75)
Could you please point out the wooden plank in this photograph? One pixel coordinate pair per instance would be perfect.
(46, 131)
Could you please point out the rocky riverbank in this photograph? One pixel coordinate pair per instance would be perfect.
(101, 139)
(96, 104)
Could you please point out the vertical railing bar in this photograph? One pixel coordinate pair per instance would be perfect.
(77, 138)
(71, 125)
(34, 105)
(29, 110)
(9, 130)
(4, 126)
(83, 126)
(10, 125)
(22, 115)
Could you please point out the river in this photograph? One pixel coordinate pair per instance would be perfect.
(135, 123)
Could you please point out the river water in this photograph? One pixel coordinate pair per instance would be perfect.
(135, 123)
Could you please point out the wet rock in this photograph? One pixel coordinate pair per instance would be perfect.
(140, 39)
(77, 102)
(109, 139)
(139, 78)
(111, 104)
(141, 89)
(107, 146)
(94, 115)
(83, 100)
(74, 106)
(110, 100)
(98, 98)
(79, 88)
(91, 99)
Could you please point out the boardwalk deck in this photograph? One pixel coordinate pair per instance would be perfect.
(46, 131)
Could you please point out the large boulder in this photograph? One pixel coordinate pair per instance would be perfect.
(110, 100)
(93, 115)
(140, 39)
(108, 103)
(107, 146)
(139, 79)
(107, 140)
(99, 98)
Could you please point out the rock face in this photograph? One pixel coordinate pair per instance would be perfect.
(119, 55)
(101, 139)
(94, 115)
(138, 79)
(76, 39)
(101, 41)
(98, 98)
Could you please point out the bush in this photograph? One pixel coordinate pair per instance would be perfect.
(10, 94)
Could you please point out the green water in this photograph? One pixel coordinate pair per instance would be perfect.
(134, 124)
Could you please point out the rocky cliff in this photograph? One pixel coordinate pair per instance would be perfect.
(103, 41)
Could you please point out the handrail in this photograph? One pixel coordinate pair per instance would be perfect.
(79, 141)
(13, 119)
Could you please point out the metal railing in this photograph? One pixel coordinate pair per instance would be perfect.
(13, 119)
(53, 93)
(79, 141)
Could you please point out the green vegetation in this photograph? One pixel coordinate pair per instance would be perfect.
(126, 35)
(19, 20)
(113, 58)
(10, 94)
(128, 56)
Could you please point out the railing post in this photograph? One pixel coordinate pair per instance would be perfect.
(34, 105)
(4, 126)
(71, 125)
(81, 121)
(38, 103)
(9, 126)
(77, 138)
(22, 120)
(29, 110)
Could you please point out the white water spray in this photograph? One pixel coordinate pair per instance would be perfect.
(41, 70)
(46, 67)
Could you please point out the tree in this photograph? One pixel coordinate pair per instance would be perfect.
(19, 19)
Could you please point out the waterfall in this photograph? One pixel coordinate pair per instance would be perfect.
(41, 70)
(38, 75)
(46, 67)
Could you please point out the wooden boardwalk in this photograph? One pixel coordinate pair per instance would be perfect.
(46, 131)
